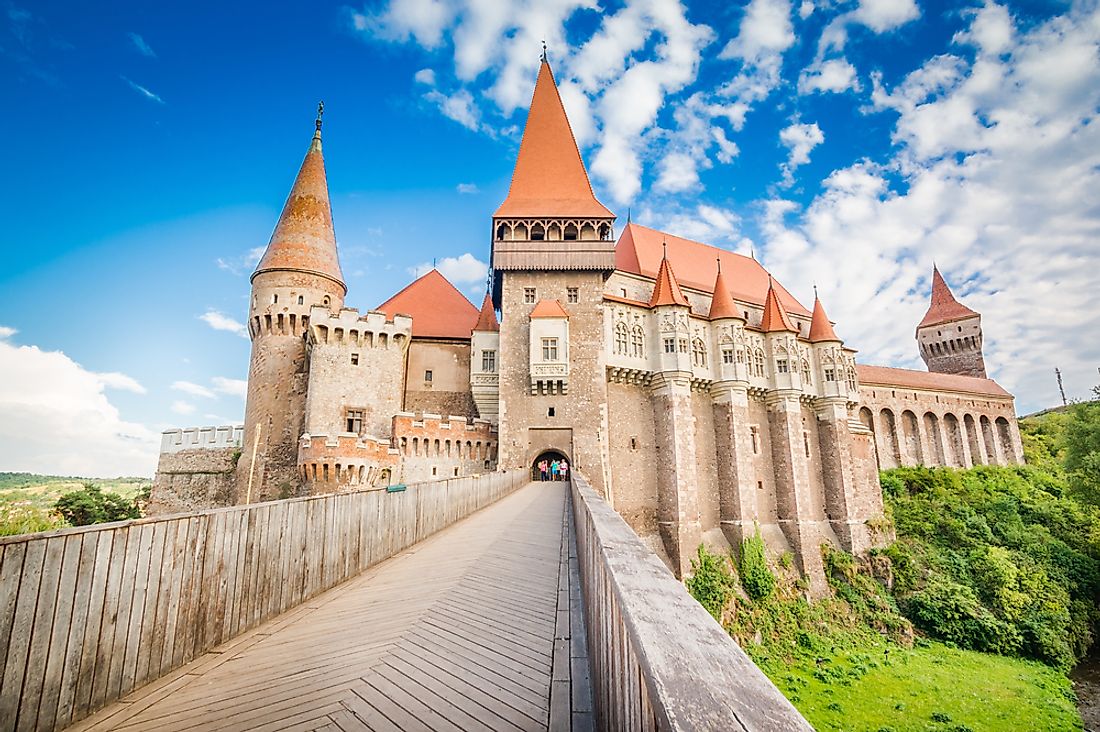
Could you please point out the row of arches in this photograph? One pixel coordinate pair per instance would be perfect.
(361, 338)
(936, 440)
(553, 230)
(462, 450)
(369, 475)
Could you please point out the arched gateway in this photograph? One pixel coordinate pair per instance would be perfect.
(549, 456)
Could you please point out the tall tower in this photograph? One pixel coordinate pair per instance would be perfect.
(552, 252)
(300, 269)
(950, 336)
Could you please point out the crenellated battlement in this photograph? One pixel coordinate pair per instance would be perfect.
(406, 424)
(344, 460)
(201, 438)
(347, 327)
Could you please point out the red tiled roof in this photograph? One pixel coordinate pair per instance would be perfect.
(721, 304)
(549, 309)
(911, 379)
(820, 327)
(304, 239)
(487, 318)
(944, 308)
(666, 290)
(549, 178)
(775, 317)
(639, 251)
(436, 306)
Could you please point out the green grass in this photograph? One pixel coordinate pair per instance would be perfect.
(27, 500)
(928, 687)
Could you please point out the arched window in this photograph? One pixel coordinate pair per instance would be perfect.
(571, 232)
(538, 233)
(620, 338)
(699, 353)
(804, 369)
(852, 384)
(637, 341)
(758, 362)
(501, 231)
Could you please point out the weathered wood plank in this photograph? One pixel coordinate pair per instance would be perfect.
(19, 641)
(61, 622)
(82, 616)
(38, 653)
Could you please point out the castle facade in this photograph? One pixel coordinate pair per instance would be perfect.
(692, 389)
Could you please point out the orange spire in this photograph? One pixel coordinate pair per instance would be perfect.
(944, 308)
(721, 304)
(820, 327)
(487, 318)
(304, 240)
(549, 178)
(666, 291)
(775, 317)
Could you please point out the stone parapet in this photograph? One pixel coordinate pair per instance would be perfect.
(201, 438)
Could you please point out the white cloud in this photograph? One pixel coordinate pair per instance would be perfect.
(800, 140)
(885, 15)
(230, 387)
(425, 76)
(766, 31)
(58, 420)
(122, 382)
(143, 91)
(7, 332)
(193, 389)
(466, 188)
(835, 75)
(220, 321)
(141, 46)
(423, 20)
(242, 264)
(181, 407)
(458, 106)
(677, 173)
(460, 270)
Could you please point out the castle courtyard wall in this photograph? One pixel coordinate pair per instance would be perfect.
(448, 392)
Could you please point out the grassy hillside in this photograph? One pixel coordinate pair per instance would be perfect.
(27, 500)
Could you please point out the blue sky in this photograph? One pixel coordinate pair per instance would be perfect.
(846, 143)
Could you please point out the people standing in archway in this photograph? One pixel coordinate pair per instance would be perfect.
(554, 467)
(564, 469)
(544, 468)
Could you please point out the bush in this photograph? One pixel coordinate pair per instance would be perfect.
(756, 576)
(711, 581)
(90, 505)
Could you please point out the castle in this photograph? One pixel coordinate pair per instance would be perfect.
(695, 392)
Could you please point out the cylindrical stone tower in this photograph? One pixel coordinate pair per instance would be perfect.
(300, 269)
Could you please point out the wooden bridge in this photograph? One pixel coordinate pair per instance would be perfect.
(467, 611)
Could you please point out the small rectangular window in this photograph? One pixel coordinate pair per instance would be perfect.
(274, 299)
(489, 362)
(683, 345)
(830, 375)
(549, 349)
(727, 355)
(435, 471)
(354, 421)
(781, 365)
(355, 359)
(529, 295)
(670, 345)
(571, 294)
(428, 375)
(456, 471)
(550, 412)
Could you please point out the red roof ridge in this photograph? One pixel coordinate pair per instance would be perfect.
(775, 317)
(487, 318)
(549, 178)
(666, 290)
(437, 307)
(820, 327)
(721, 303)
(913, 379)
(943, 308)
(549, 309)
(304, 239)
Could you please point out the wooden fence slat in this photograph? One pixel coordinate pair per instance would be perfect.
(26, 600)
(59, 637)
(82, 613)
(11, 569)
(150, 622)
(41, 634)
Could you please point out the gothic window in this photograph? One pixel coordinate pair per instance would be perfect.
(698, 353)
(354, 421)
(301, 300)
(781, 365)
(571, 294)
(670, 345)
(851, 379)
(683, 345)
(549, 349)
(489, 361)
(637, 341)
(570, 232)
(529, 295)
(740, 355)
(727, 355)
(758, 362)
(620, 338)
(538, 233)
(805, 368)
(500, 232)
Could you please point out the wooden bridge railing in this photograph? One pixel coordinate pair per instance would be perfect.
(88, 614)
(658, 659)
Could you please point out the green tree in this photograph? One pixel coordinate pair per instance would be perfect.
(1082, 450)
(90, 505)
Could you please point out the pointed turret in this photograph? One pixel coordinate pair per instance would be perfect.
(487, 318)
(304, 239)
(549, 179)
(820, 327)
(721, 304)
(775, 317)
(943, 308)
(666, 291)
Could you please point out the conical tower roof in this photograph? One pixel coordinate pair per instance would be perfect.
(304, 239)
(487, 318)
(820, 327)
(666, 291)
(775, 317)
(721, 304)
(549, 178)
(944, 308)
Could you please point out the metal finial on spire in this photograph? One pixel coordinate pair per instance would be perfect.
(719, 258)
(544, 51)
(320, 113)
(815, 291)
(752, 253)
(664, 249)
(628, 214)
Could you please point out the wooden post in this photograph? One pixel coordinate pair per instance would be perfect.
(252, 464)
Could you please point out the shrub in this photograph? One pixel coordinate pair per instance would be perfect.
(90, 505)
(711, 581)
(756, 576)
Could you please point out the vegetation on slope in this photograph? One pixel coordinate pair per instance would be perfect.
(30, 503)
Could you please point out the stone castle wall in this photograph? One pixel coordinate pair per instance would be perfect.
(197, 469)
(448, 392)
(432, 446)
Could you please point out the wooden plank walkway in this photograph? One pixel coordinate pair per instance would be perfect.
(479, 627)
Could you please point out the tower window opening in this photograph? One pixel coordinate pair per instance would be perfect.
(754, 433)
(830, 374)
(806, 442)
(683, 345)
(301, 300)
(274, 299)
(529, 295)
(428, 376)
(633, 443)
(355, 359)
(571, 294)
(550, 412)
(570, 233)
(500, 232)
(326, 301)
(354, 421)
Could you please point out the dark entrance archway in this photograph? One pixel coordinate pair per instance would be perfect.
(549, 456)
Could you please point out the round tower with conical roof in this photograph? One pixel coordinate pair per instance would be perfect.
(950, 335)
(299, 269)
